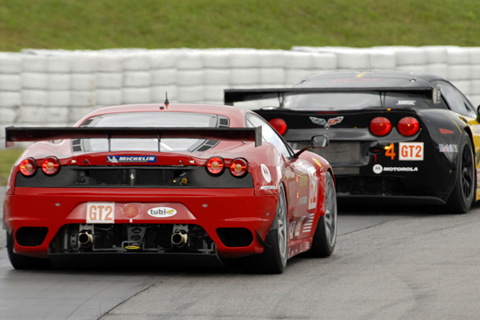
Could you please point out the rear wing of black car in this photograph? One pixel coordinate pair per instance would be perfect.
(237, 95)
(13, 134)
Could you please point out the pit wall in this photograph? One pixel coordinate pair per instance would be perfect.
(57, 87)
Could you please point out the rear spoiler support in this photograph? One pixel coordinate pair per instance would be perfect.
(236, 95)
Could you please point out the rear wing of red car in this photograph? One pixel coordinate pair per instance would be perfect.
(13, 134)
(237, 95)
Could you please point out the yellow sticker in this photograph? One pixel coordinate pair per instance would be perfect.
(317, 162)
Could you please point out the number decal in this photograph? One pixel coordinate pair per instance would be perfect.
(100, 212)
(391, 151)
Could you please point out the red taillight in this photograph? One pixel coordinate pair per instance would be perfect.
(215, 165)
(50, 166)
(279, 124)
(380, 126)
(238, 167)
(28, 167)
(408, 126)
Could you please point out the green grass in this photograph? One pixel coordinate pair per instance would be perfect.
(276, 24)
(7, 159)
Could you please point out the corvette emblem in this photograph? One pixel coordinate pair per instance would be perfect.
(327, 124)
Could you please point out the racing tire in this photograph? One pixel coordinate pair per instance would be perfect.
(463, 192)
(273, 260)
(21, 262)
(325, 235)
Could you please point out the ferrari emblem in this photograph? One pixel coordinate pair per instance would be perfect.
(327, 124)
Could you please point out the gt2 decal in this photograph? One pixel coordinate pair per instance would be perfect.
(100, 212)
(410, 151)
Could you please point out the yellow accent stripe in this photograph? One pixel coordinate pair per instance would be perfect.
(360, 75)
(455, 123)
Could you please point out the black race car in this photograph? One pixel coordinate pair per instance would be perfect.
(395, 136)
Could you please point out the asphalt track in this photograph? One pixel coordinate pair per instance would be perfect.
(389, 263)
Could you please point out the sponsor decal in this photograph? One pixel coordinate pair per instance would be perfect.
(266, 173)
(302, 200)
(313, 190)
(379, 169)
(410, 151)
(326, 123)
(302, 180)
(131, 211)
(448, 148)
(292, 227)
(127, 159)
(162, 212)
(298, 227)
(268, 188)
(307, 227)
(406, 102)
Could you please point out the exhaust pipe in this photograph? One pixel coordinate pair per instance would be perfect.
(179, 239)
(85, 239)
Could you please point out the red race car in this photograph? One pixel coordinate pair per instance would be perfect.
(167, 183)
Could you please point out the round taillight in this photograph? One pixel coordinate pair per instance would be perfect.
(408, 126)
(28, 167)
(238, 167)
(380, 126)
(50, 166)
(215, 165)
(279, 124)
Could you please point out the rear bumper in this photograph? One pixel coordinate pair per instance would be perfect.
(211, 209)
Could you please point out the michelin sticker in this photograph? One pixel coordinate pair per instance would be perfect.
(266, 173)
(162, 212)
(127, 159)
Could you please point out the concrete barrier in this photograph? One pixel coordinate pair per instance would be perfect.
(57, 87)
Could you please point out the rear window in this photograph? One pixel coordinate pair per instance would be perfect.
(150, 119)
(358, 101)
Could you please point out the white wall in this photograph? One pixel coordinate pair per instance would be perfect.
(57, 87)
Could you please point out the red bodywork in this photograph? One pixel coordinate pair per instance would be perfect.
(210, 207)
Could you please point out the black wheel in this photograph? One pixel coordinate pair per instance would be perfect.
(463, 192)
(274, 258)
(326, 233)
(23, 262)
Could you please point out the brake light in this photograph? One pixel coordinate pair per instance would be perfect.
(28, 167)
(380, 126)
(279, 124)
(238, 167)
(408, 126)
(215, 165)
(50, 166)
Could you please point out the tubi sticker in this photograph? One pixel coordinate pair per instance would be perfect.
(162, 212)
